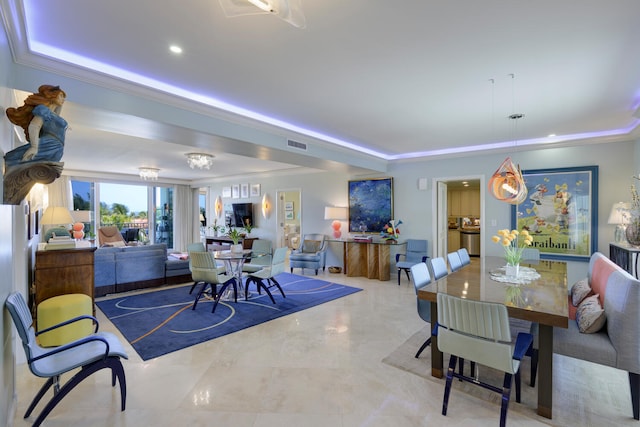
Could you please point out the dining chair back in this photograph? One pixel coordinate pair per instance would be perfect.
(416, 252)
(438, 268)
(268, 274)
(421, 278)
(454, 261)
(100, 350)
(464, 256)
(262, 246)
(480, 331)
(194, 247)
(205, 270)
(531, 254)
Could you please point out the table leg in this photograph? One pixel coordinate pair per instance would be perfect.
(436, 354)
(545, 371)
(234, 268)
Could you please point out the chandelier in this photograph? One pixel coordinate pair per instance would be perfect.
(200, 160)
(149, 174)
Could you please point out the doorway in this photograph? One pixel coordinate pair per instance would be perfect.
(459, 205)
(289, 218)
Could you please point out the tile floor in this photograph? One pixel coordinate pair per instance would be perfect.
(316, 368)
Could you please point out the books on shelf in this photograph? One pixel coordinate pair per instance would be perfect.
(60, 242)
(363, 238)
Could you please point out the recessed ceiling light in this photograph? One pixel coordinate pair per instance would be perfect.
(175, 49)
(551, 135)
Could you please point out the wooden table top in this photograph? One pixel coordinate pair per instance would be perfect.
(543, 300)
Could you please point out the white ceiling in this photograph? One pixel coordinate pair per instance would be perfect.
(398, 79)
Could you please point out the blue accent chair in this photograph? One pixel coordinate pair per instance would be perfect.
(416, 253)
(311, 253)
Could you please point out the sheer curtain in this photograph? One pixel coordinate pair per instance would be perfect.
(186, 217)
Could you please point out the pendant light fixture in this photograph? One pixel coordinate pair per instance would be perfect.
(507, 183)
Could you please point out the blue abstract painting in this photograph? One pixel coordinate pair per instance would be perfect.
(370, 204)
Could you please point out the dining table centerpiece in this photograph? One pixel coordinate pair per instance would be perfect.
(514, 242)
(235, 237)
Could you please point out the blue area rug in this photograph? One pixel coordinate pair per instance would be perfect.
(160, 322)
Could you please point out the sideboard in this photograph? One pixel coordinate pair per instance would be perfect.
(370, 259)
(246, 242)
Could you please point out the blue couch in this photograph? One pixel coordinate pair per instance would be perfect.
(121, 269)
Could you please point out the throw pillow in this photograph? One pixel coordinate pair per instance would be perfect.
(311, 246)
(579, 291)
(590, 315)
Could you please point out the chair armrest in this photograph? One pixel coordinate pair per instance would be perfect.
(66, 322)
(434, 331)
(424, 258)
(399, 255)
(523, 342)
(74, 344)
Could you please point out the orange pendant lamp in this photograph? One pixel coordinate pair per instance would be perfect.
(507, 183)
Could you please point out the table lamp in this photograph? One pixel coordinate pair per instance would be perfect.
(336, 214)
(620, 219)
(56, 217)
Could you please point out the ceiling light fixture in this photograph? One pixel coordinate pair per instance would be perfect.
(288, 10)
(200, 160)
(149, 174)
(175, 48)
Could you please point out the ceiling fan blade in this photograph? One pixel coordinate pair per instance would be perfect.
(288, 10)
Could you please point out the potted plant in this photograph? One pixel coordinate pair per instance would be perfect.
(216, 228)
(234, 235)
(248, 226)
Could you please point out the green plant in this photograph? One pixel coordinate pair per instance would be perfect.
(247, 225)
(234, 235)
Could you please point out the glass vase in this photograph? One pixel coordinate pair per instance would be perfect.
(632, 233)
(512, 270)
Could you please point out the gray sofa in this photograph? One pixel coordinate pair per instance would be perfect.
(618, 343)
(121, 269)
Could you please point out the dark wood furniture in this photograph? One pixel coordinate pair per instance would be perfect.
(546, 304)
(626, 256)
(246, 242)
(370, 259)
(62, 271)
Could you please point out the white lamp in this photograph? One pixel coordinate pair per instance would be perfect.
(619, 217)
(56, 216)
(336, 214)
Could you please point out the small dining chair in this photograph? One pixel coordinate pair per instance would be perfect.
(265, 278)
(480, 331)
(464, 256)
(439, 267)
(420, 277)
(454, 261)
(416, 252)
(205, 270)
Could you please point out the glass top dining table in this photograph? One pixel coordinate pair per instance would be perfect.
(234, 262)
(539, 295)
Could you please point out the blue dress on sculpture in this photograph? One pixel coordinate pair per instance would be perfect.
(51, 144)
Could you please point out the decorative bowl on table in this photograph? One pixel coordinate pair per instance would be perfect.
(335, 269)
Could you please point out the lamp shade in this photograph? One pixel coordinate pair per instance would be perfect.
(617, 215)
(335, 213)
(57, 215)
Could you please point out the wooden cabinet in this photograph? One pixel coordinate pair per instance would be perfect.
(246, 242)
(463, 203)
(453, 243)
(63, 271)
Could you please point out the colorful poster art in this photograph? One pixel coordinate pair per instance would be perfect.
(560, 212)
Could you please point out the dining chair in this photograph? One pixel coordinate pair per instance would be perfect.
(262, 246)
(416, 253)
(421, 278)
(267, 274)
(205, 269)
(454, 261)
(194, 247)
(438, 268)
(312, 253)
(100, 350)
(464, 256)
(531, 254)
(480, 331)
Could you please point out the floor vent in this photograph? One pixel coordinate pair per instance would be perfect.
(296, 144)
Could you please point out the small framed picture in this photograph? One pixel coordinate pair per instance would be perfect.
(288, 215)
(235, 191)
(244, 191)
(288, 206)
(254, 190)
(226, 191)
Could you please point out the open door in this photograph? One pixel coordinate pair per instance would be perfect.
(289, 218)
(442, 224)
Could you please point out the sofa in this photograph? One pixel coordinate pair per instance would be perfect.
(121, 269)
(617, 343)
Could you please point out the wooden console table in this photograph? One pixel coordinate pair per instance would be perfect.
(369, 259)
(246, 242)
(63, 271)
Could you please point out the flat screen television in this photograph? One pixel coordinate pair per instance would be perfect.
(241, 213)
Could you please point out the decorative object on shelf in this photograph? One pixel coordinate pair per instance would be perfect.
(514, 243)
(620, 219)
(288, 10)
(247, 225)
(200, 160)
(216, 228)
(149, 174)
(217, 206)
(235, 237)
(38, 160)
(337, 214)
(78, 230)
(390, 231)
(266, 206)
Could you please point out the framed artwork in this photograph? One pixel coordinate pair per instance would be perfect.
(235, 191)
(288, 206)
(370, 204)
(288, 215)
(254, 191)
(560, 212)
(244, 191)
(226, 191)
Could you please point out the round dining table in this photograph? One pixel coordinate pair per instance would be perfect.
(233, 262)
